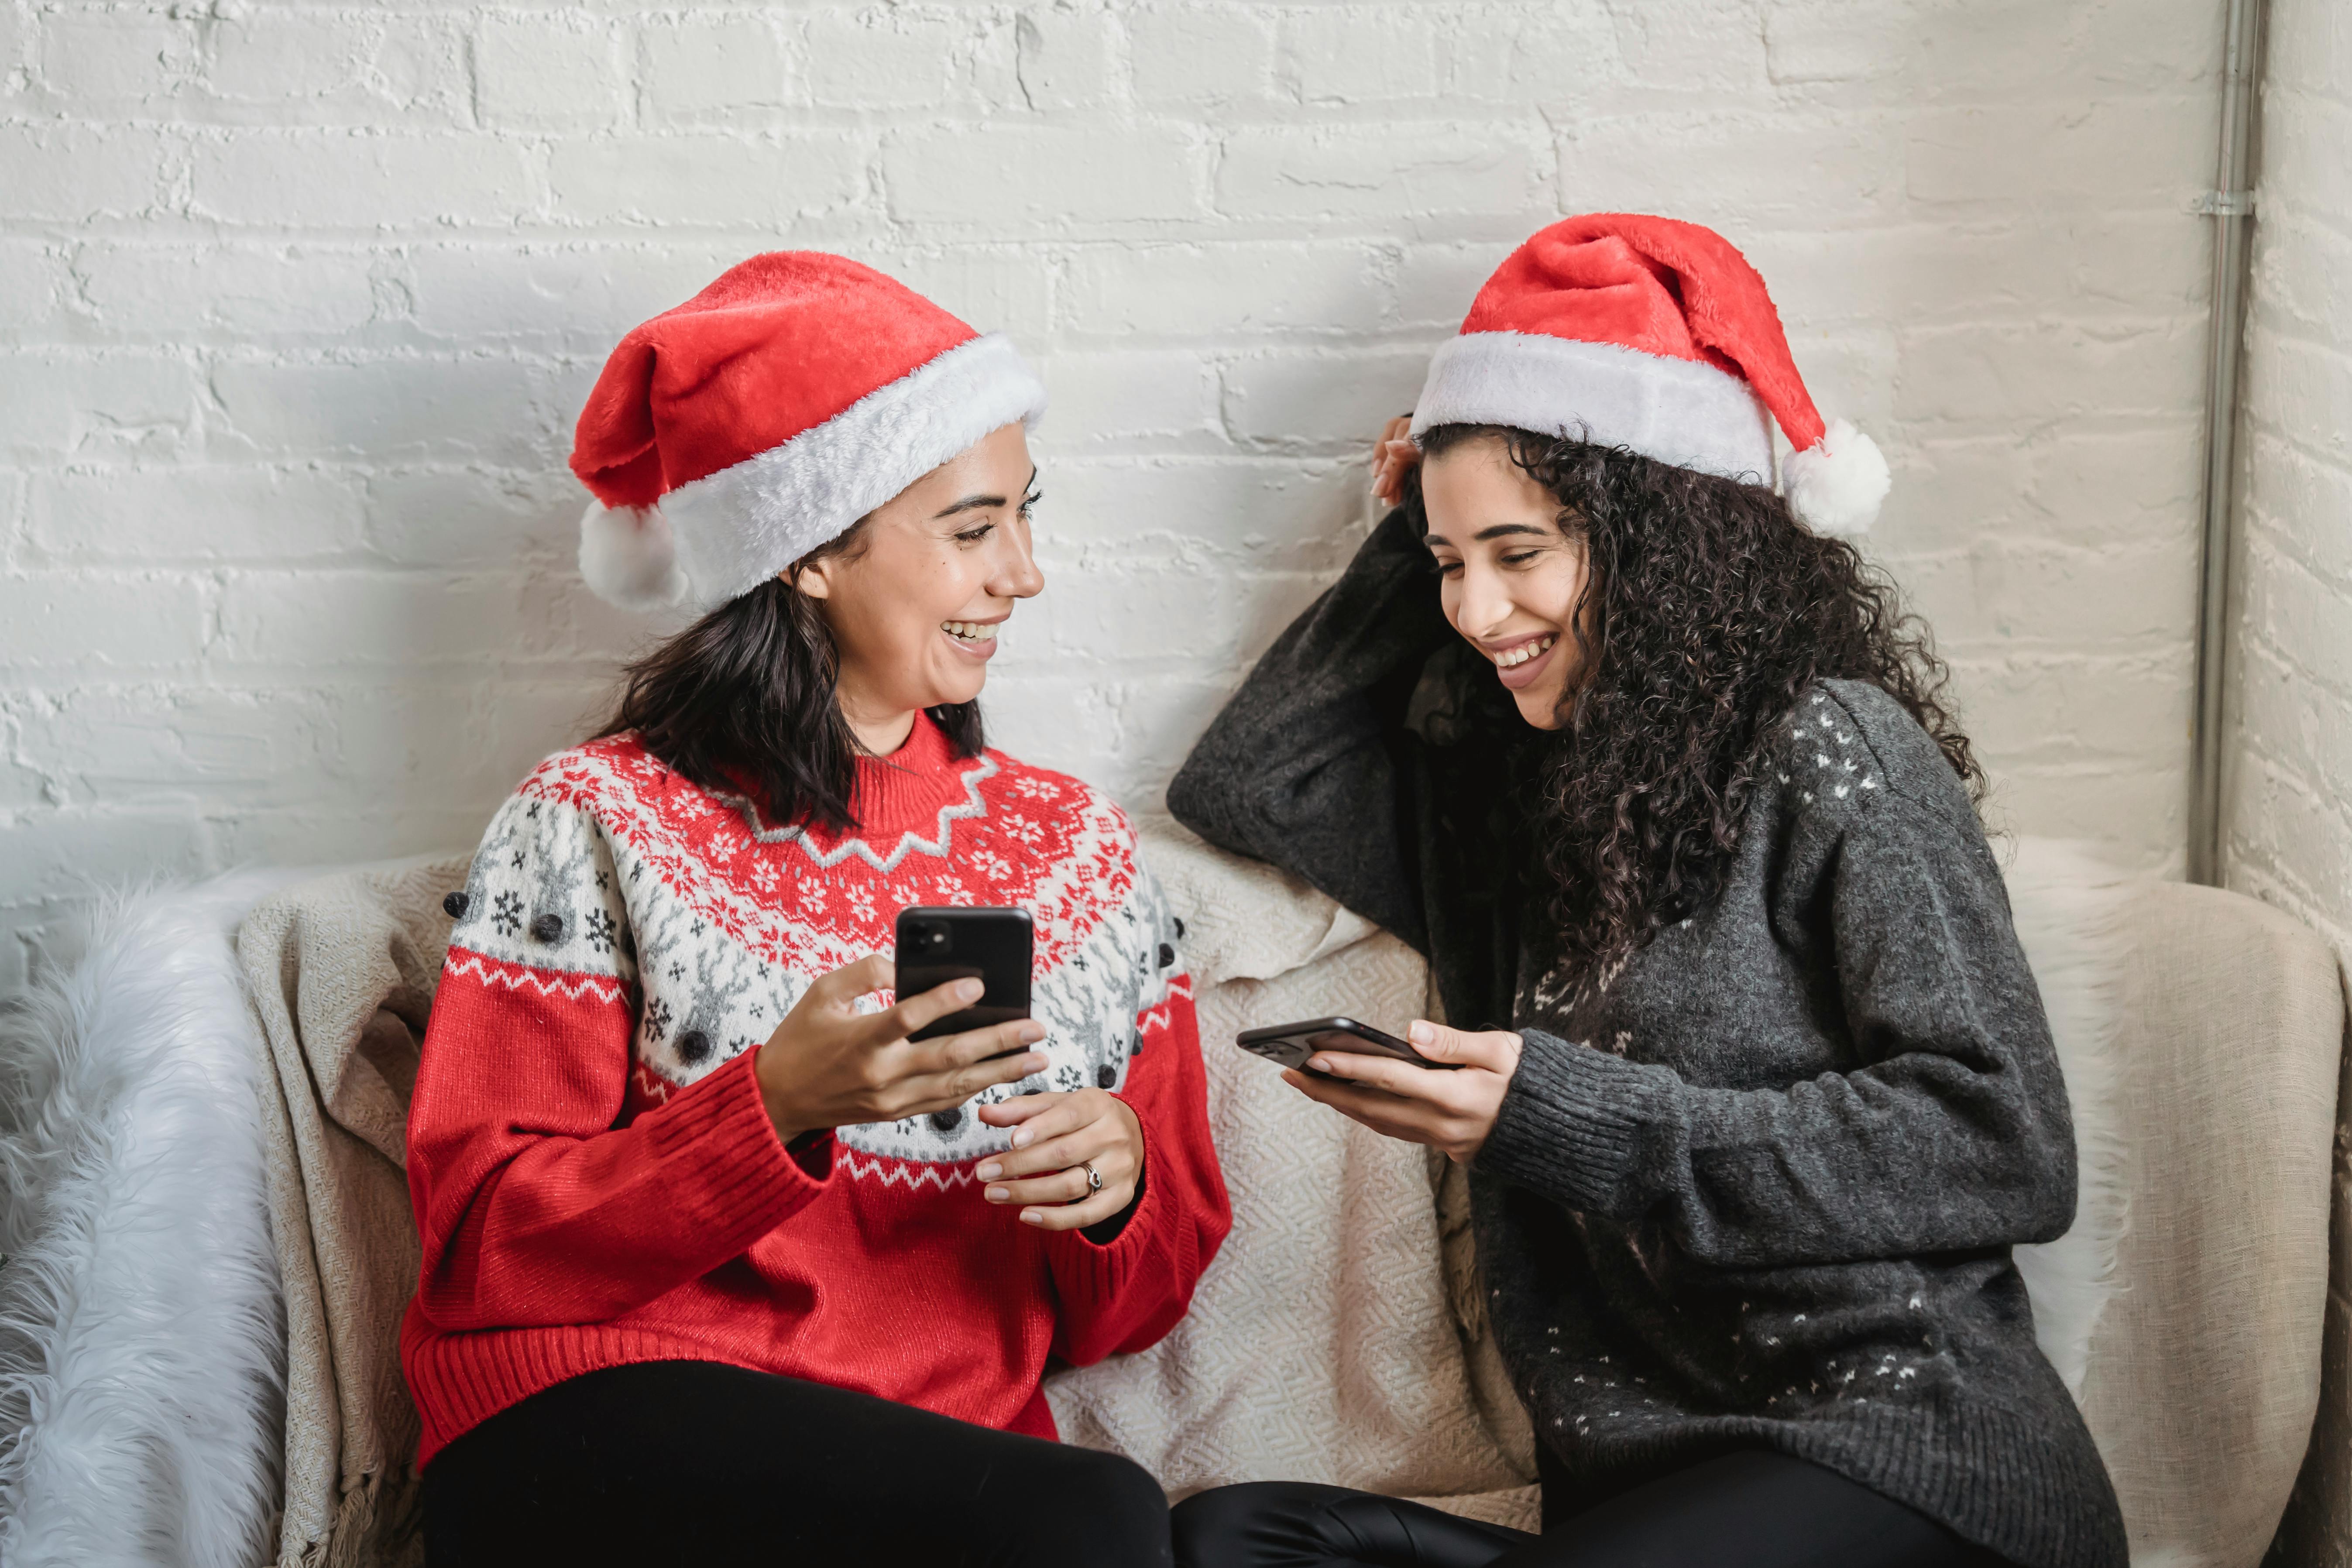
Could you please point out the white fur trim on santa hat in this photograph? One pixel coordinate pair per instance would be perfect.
(1835, 485)
(744, 524)
(1678, 411)
(628, 558)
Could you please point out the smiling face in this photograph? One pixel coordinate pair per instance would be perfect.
(915, 607)
(1510, 581)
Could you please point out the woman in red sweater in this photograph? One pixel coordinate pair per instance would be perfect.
(694, 1207)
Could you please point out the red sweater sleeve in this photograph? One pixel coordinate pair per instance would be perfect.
(534, 1207)
(1123, 1294)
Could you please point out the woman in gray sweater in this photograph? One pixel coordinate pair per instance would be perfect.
(1753, 1082)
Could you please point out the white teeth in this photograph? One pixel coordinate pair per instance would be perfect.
(1523, 652)
(968, 631)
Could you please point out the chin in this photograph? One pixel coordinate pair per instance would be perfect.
(1541, 710)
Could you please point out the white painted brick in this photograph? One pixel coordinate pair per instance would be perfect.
(277, 66)
(1021, 178)
(1734, 171)
(583, 293)
(1436, 283)
(85, 620)
(1067, 57)
(1201, 56)
(1551, 56)
(339, 180)
(387, 408)
(153, 516)
(114, 745)
(302, 622)
(2132, 153)
(64, 403)
(1327, 398)
(2005, 592)
(1002, 290)
(890, 57)
(61, 854)
(1295, 171)
(1126, 399)
(258, 291)
(1208, 292)
(449, 519)
(1253, 515)
(547, 70)
(1694, 48)
(706, 69)
(2013, 375)
(33, 283)
(113, 59)
(707, 179)
(69, 173)
(1358, 55)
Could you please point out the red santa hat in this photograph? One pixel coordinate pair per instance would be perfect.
(1656, 336)
(729, 437)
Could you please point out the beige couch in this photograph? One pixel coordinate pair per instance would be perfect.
(1336, 1336)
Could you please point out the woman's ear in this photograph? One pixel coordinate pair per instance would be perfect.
(810, 579)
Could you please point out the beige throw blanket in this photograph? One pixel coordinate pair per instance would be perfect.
(342, 972)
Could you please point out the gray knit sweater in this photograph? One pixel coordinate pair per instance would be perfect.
(1758, 1185)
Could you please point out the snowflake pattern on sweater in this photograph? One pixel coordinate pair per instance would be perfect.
(607, 867)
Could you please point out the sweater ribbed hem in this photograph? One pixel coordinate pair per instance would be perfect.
(1570, 1125)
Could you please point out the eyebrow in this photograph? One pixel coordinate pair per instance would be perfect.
(974, 503)
(1497, 531)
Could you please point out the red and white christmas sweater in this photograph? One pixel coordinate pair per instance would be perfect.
(597, 1182)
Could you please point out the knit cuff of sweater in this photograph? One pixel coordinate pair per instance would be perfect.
(1571, 1124)
(715, 1138)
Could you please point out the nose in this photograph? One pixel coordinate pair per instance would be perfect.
(1485, 603)
(1014, 574)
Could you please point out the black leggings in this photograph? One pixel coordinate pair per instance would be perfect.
(695, 1462)
(1748, 1509)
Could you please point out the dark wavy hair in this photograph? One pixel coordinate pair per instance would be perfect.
(1707, 609)
(747, 699)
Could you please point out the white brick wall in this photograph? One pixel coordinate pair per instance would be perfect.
(2290, 822)
(298, 303)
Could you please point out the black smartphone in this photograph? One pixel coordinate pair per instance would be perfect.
(987, 944)
(1291, 1044)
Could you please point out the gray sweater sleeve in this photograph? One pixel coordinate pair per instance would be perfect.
(1953, 1135)
(1300, 768)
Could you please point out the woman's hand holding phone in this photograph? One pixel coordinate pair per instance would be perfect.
(1054, 1138)
(828, 1065)
(1452, 1111)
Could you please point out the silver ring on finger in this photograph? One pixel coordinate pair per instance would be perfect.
(1094, 1177)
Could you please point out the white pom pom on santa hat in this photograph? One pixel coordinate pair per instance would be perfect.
(1835, 486)
(628, 557)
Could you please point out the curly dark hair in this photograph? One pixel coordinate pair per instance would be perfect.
(748, 697)
(1709, 610)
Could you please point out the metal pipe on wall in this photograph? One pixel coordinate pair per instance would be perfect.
(2230, 204)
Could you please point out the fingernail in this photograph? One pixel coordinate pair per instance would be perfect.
(1319, 1064)
(1021, 1139)
(1031, 1033)
(997, 1195)
(1035, 1061)
(1421, 1033)
(1031, 1216)
(968, 990)
(990, 1172)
